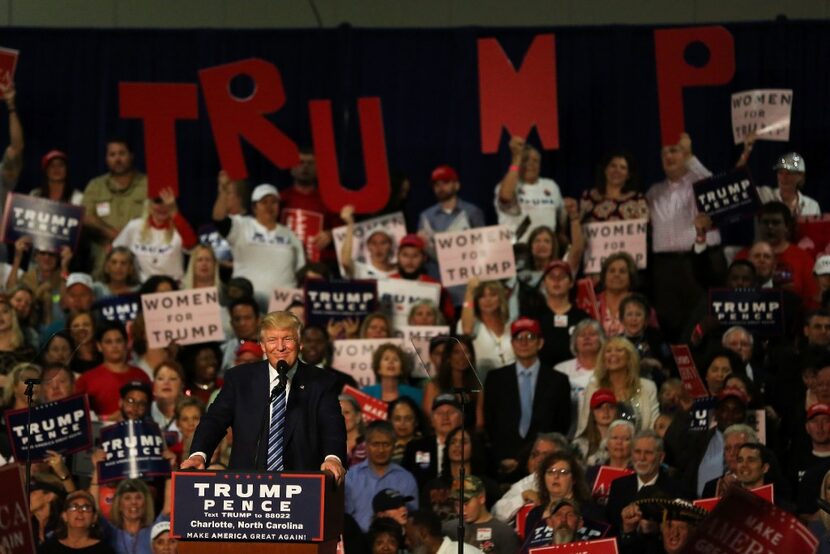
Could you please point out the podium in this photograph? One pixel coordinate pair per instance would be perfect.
(226, 512)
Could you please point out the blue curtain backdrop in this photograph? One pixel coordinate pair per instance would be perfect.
(428, 84)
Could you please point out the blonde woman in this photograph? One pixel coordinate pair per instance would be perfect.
(15, 386)
(486, 318)
(159, 238)
(202, 269)
(119, 274)
(13, 347)
(618, 369)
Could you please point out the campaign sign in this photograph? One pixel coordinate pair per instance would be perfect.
(586, 298)
(601, 546)
(50, 224)
(758, 310)
(281, 298)
(744, 522)
(812, 233)
(765, 112)
(123, 308)
(602, 484)
(688, 372)
(8, 63)
(184, 317)
(397, 296)
(609, 237)
(728, 197)
(416, 341)
(701, 414)
(767, 492)
(252, 507)
(337, 300)
(354, 356)
(483, 252)
(306, 224)
(371, 408)
(15, 522)
(133, 450)
(63, 426)
(392, 224)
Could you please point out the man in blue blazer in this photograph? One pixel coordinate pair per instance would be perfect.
(314, 431)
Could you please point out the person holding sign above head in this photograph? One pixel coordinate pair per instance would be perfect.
(790, 170)
(524, 200)
(284, 413)
(673, 210)
(380, 245)
(111, 200)
(11, 163)
(264, 251)
(159, 238)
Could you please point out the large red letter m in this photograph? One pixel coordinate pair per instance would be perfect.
(518, 100)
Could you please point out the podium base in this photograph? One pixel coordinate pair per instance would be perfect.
(210, 547)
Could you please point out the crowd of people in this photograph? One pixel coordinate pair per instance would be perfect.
(560, 392)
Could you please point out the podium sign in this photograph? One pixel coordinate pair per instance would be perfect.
(250, 507)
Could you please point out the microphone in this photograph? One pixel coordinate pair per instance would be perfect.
(32, 381)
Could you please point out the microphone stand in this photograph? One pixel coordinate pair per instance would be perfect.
(464, 394)
(29, 392)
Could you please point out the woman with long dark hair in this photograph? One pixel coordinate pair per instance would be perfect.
(454, 372)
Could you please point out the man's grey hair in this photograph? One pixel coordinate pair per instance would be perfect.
(737, 329)
(650, 434)
(741, 429)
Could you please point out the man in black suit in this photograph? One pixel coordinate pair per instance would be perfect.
(423, 456)
(647, 456)
(314, 432)
(524, 399)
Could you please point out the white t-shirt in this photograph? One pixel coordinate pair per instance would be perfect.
(266, 258)
(492, 352)
(541, 201)
(155, 256)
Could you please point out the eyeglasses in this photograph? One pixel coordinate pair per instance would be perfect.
(79, 508)
(525, 337)
(562, 472)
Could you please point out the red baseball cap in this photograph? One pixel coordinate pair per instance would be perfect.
(733, 392)
(564, 266)
(444, 173)
(602, 396)
(818, 409)
(412, 240)
(52, 155)
(250, 347)
(525, 324)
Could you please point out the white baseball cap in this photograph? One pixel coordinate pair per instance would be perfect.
(159, 528)
(263, 190)
(79, 279)
(822, 266)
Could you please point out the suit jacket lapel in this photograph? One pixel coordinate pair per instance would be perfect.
(296, 400)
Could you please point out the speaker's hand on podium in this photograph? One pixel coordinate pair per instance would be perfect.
(333, 465)
(196, 461)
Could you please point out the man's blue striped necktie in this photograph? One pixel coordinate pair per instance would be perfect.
(276, 429)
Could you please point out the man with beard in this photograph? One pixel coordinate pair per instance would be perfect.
(317, 350)
(111, 200)
(135, 400)
(481, 529)
(304, 194)
(450, 214)
(412, 259)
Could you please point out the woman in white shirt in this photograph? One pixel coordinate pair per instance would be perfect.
(158, 240)
(485, 317)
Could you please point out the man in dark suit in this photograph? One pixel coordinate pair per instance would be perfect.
(647, 456)
(524, 399)
(314, 432)
(423, 456)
